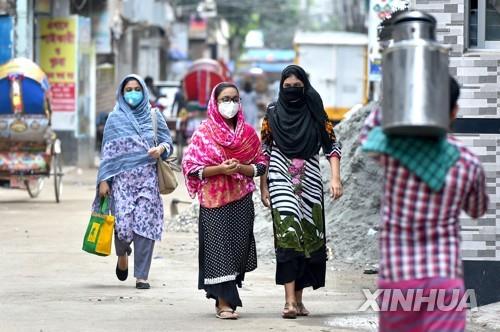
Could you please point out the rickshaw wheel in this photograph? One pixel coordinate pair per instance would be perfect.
(58, 174)
(34, 187)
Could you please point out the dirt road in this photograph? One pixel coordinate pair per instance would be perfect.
(49, 284)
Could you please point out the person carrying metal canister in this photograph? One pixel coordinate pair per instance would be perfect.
(429, 178)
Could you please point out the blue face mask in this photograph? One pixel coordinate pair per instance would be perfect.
(133, 98)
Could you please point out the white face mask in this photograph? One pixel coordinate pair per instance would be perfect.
(229, 110)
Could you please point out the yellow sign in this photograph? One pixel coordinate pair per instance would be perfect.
(58, 47)
(93, 232)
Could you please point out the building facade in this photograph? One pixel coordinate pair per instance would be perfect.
(472, 30)
(109, 39)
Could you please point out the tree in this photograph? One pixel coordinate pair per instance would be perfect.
(352, 15)
(277, 18)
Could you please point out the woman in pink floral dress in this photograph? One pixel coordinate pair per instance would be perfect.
(294, 130)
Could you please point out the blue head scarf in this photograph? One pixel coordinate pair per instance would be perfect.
(128, 134)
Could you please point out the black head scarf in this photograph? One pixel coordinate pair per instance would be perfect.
(298, 128)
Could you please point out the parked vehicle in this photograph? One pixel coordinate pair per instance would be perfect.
(336, 63)
(197, 84)
(30, 151)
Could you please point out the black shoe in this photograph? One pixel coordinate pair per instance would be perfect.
(121, 274)
(142, 285)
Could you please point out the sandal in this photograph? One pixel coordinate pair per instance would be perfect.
(301, 310)
(290, 311)
(226, 313)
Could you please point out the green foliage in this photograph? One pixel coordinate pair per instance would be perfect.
(317, 214)
(313, 239)
(285, 237)
(304, 237)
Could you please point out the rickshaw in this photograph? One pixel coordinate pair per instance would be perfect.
(30, 151)
(202, 76)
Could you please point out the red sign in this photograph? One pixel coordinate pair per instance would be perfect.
(63, 96)
(58, 46)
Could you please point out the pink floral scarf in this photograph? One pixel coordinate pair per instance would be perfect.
(213, 143)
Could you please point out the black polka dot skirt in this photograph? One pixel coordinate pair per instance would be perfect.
(226, 249)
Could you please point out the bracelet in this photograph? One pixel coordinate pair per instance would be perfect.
(255, 170)
(200, 174)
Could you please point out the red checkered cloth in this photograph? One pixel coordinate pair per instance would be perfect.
(441, 313)
(420, 229)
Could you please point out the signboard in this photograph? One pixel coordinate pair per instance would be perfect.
(197, 28)
(58, 59)
(378, 11)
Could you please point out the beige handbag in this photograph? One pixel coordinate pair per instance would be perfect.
(167, 180)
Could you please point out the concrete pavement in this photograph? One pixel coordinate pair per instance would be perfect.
(49, 284)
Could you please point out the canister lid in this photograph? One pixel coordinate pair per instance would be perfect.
(415, 15)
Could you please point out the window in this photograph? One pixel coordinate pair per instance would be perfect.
(484, 24)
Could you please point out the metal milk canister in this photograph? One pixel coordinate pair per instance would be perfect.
(415, 79)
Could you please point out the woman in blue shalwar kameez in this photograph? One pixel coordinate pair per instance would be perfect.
(127, 174)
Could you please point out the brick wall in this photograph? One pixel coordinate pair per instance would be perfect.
(479, 75)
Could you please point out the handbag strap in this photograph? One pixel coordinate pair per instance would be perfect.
(155, 126)
(104, 206)
(170, 161)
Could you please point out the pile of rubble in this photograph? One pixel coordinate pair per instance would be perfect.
(352, 221)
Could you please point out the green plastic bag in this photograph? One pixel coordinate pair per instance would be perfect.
(99, 234)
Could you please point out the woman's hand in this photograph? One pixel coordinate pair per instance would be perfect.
(246, 170)
(229, 167)
(156, 151)
(265, 197)
(336, 189)
(104, 189)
